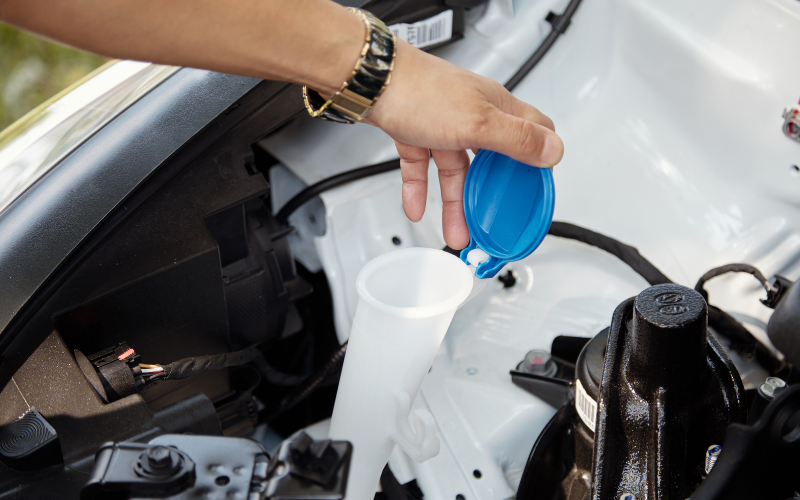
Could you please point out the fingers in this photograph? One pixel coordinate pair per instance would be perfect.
(519, 138)
(522, 109)
(414, 171)
(453, 166)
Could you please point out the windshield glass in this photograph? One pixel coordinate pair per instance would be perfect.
(39, 140)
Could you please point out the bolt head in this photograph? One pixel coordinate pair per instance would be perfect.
(159, 457)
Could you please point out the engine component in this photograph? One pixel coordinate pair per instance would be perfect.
(760, 460)
(30, 443)
(662, 381)
(186, 467)
(783, 328)
(663, 372)
(139, 470)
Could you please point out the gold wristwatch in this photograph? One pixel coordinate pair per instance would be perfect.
(370, 77)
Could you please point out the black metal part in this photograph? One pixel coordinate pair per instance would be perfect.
(131, 469)
(189, 467)
(303, 469)
(30, 443)
(670, 389)
(664, 390)
(158, 461)
(783, 327)
(761, 460)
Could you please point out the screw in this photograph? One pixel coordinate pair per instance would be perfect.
(159, 457)
(627, 496)
(472, 371)
(711, 456)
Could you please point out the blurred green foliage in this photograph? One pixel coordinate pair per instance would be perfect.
(33, 69)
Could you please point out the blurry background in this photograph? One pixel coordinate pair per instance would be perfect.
(32, 70)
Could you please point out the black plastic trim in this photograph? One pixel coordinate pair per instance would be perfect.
(48, 222)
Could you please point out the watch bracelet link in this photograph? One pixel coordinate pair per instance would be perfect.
(370, 77)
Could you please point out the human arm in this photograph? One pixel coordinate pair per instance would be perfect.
(430, 104)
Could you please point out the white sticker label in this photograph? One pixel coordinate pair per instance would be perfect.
(431, 31)
(585, 406)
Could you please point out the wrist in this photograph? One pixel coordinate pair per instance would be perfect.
(340, 54)
(354, 98)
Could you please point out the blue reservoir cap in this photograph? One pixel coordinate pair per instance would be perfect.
(509, 208)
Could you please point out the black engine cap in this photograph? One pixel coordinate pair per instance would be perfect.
(669, 338)
(671, 306)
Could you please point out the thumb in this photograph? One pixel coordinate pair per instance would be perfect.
(520, 139)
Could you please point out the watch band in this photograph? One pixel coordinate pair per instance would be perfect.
(370, 77)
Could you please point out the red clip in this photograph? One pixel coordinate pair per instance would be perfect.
(125, 354)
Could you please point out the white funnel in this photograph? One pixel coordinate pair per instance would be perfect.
(406, 302)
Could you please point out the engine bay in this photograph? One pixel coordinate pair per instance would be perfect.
(191, 346)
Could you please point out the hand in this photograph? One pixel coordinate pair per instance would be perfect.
(433, 105)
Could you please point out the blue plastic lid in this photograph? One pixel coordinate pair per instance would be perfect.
(509, 208)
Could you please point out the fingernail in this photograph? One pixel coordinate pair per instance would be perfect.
(553, 150)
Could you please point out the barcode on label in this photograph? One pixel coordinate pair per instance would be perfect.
(585, 406)
(431, 31)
